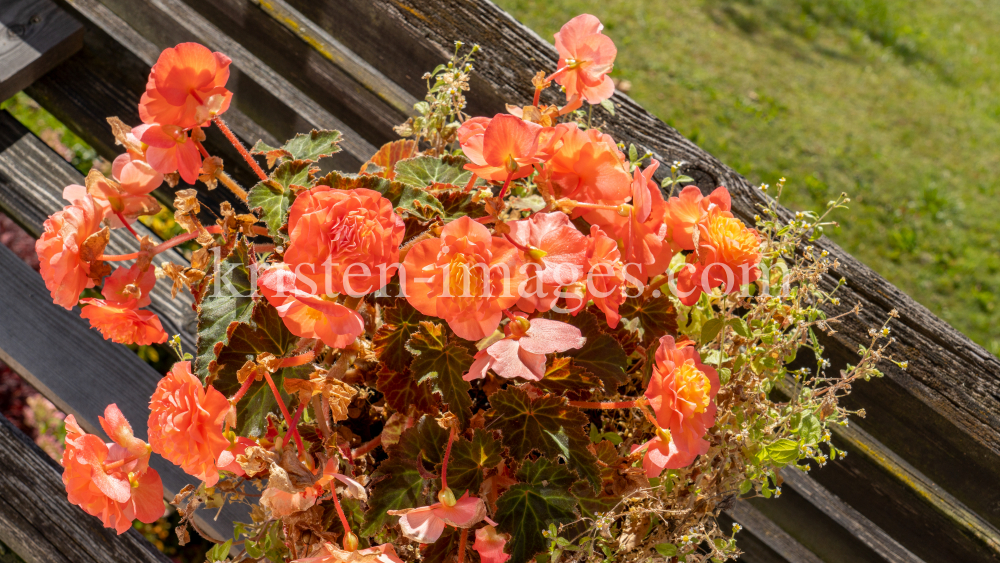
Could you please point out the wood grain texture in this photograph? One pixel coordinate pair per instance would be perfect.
(769, 534)
(942, 415)
(37, 521)
(35, 35)
(33, 176)
(56, 351)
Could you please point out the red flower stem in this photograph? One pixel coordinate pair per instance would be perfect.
(472, 181)
(295, 421)
(201, 149)
(367, 447)
(538, 94)
(520, 247)
(127, 226)
(179, 239)
(604, 406)
(506, 183)
(607, 206)
(463, 538)
(340, 512)
(284, 411)
(239, 146)
(555, 75)
(299, 360)
(243, 391)
(447, 454)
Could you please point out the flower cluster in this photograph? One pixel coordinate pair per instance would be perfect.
(505, 315)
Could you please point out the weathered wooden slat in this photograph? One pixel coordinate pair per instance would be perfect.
(35, 35)
(338, 54)
(941, 414)
(56, 351)
(33, 176)
(39, 523)
(769, 534)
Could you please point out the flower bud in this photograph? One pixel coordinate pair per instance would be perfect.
(447, 497)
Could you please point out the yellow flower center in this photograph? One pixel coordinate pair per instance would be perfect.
(693, 386)
(731, 236)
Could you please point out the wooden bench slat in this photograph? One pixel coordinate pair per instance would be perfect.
(57, 352)
(35, 35)
(40, 524)
(33, 177)
(770, 534)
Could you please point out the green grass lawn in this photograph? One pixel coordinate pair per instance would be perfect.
(895, 102)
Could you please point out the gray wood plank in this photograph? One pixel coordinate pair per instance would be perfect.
(35, 35)
(33, 176)
(38, 522)
(770, 534)
(57, 352)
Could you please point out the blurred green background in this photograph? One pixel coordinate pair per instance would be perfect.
(895, 102)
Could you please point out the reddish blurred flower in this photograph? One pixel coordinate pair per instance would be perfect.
(70, 241)
(186, 87)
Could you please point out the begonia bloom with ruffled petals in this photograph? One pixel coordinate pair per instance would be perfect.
(684, 212)
(682, 393)
(605, 283)
(112, 481)
(426, 523)
(66, 232)
(171, 149)
(186, 87)
(489, 545)
(586, 166)
(587, 55)
(185, 423)
(308, 315)
(728, 254)
(662, 453)
(501, 147)
(521, 353)
(466, 277)
(123, 324)
(553, 253)
(329, 553)
(118, 316)
(128, 198)
(345, 241)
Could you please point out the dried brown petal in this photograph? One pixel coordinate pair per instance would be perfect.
(121, 131)
(210, 168)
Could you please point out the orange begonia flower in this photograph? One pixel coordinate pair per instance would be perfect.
(501, 147)
(128, 197)
(112, 481)
(489, 544)
(521, 353)
(728, 254)
(329, 553)
(186, 87)
(185, 423)
(585, 166)
(605, 284)
(118, 316)
(586, 56)
(344, 241)
(684, 212)
(59, 247)
(682, 393)
(426, 523)
(308, 315)
(553, 254)
(171, 149)
(467, 277)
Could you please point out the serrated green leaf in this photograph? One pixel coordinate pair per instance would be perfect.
(402, 390)
(291, 173)
(528, 508)
(602, 356)
(470, 459)
(220, 552)
(425, 171)
(562, 375)
(547, 424)
(398, 325)
(398, 482)
(443, 361)
(226, 301)
(383, 163)
(740, 327)
(265, 333)
(273, 202)
(445, 548)
(656, 315)
(314, 145)
(405, 199)
(810, 430)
